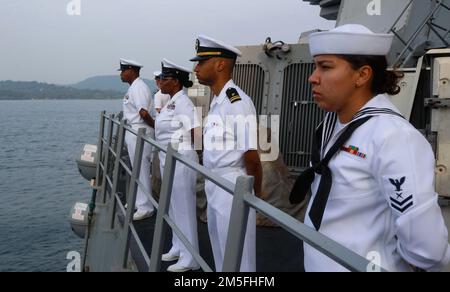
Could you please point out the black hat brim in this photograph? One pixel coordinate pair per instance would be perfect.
(128, 68)
(166, 75)
(198, 58)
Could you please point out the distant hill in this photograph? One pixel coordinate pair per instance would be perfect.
(19, 90)
(109, 83)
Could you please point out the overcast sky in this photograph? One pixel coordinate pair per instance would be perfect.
(40, 41)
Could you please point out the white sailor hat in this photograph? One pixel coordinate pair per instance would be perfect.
(157, 74)
(207, 48)
(129, 64)
(170, 69)
(350, 39)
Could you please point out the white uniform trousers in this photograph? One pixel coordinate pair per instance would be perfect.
(219, 209)
(142, 198)
(183, 206)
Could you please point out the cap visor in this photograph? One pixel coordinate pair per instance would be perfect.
(196, 59)
(168, 75)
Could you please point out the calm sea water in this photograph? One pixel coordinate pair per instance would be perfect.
(39, 181)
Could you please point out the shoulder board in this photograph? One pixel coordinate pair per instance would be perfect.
(233, 95)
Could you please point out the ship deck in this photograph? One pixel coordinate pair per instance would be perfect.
(276, 249)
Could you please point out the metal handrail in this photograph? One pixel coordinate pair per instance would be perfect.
(243, 200)
(401, 59)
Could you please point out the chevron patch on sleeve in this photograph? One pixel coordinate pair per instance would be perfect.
(401, 195)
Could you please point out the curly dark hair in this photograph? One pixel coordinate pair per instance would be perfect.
(187, 83)
(184, 80)
(384, 81)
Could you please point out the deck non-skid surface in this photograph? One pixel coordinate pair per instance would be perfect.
(276, 249)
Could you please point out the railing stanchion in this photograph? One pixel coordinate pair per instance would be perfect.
(131, 198)
(161, 226)
(115, 177)
(238, 225)
(108, 144)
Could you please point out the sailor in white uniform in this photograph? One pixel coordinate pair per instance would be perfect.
(160, 98)
(178, 123)
(372, 172)
(230, 149)
(137, 105)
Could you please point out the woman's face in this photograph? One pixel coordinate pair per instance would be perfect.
(170, 85)
(334, 82)
(167, 85)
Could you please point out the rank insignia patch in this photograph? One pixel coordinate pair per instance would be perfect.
(233, 95)
(354, 151)
(400, 198)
